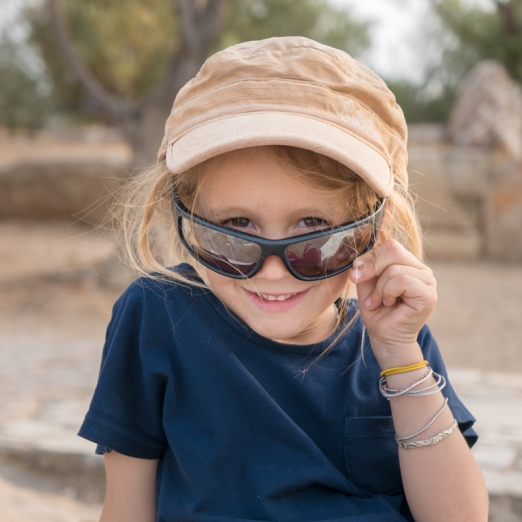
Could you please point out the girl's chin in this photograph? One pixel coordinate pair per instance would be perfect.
(280, 332)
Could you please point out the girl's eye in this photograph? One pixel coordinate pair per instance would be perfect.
(238, 222)
(313, 222)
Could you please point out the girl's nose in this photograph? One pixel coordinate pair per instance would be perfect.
(273, 268)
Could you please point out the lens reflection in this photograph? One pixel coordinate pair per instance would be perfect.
(221, 251)
(330, 253)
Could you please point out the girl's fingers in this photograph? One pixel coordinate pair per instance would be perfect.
(412, 290)
(400, 274)
(376, 261)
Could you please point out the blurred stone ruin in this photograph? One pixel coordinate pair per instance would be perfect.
(469, 175)
(488, 112)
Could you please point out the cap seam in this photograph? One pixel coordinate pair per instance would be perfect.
(179, 107)
(284, 51)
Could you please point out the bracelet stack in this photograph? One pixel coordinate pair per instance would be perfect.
(390, 393)
(412, 390)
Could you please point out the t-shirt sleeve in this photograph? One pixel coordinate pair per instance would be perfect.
(126, 410)
(462, 415)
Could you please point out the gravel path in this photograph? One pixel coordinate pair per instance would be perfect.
(24, 504)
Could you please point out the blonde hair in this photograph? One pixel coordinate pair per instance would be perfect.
(148, 232)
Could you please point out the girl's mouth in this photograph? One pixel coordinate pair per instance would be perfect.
(276, 302)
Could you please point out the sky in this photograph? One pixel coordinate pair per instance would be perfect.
(399, 34)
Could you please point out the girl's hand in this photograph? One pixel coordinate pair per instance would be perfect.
(397, 294)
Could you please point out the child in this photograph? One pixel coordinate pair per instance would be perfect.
(244, 384)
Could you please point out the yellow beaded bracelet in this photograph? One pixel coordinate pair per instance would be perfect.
(404, 369)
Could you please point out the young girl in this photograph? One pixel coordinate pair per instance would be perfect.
(244, 383)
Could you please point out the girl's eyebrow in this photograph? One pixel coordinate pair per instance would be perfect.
(228, 209)
(240, 211)
(222, 212)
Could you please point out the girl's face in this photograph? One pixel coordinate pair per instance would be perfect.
(247, 190)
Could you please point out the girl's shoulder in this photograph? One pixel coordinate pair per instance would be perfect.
(160, 286)
(157, 294)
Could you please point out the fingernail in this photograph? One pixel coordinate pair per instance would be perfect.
(367, 302)
(356, 274)
(358, 262)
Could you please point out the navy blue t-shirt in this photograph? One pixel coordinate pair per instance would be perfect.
(241, 433)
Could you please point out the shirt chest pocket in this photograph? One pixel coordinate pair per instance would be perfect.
(370, 455)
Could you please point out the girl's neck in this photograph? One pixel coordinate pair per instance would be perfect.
(324, 327)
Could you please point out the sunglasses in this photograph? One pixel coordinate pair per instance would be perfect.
(308, 257)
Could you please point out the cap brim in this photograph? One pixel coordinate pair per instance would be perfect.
(274, 128)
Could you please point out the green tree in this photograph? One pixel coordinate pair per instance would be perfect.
(418, 105)
(464, 35)
(487, 34)
(317, 19)
(23, 104)
(124, 62)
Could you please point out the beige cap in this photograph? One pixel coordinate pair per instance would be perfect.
(289, 91)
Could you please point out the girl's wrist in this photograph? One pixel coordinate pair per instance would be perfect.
(397, 355)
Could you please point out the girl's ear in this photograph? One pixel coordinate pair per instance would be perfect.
(388, 212)
(387, 216)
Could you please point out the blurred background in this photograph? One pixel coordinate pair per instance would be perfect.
(85, 88)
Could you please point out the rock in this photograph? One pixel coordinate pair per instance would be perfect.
(503, 211)
(488, 111)
(450, 183)
(488, 114)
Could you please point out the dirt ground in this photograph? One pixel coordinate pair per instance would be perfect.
(24, 504)
(478, 319)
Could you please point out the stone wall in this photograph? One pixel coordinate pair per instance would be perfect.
(449, 183)
(469, 198)
(59, 189)
(65, 175)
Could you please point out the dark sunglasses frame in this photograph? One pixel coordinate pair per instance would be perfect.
(274, 247)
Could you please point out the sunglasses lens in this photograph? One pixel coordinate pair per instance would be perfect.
(330, 253)
(221, 252)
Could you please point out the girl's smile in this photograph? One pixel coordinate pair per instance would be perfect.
(250, 191)
(276, 302)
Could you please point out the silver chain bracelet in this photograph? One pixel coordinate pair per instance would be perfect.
(430, 441)
(427, 425)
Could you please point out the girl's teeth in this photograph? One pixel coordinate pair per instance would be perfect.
(275, 298)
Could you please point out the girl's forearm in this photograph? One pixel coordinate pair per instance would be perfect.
(442, 481)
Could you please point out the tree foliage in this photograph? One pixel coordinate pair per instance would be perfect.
(418, 106)
(128, 46)
(22, 102)
(317, 19)
(489, 34)
(464, 35)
